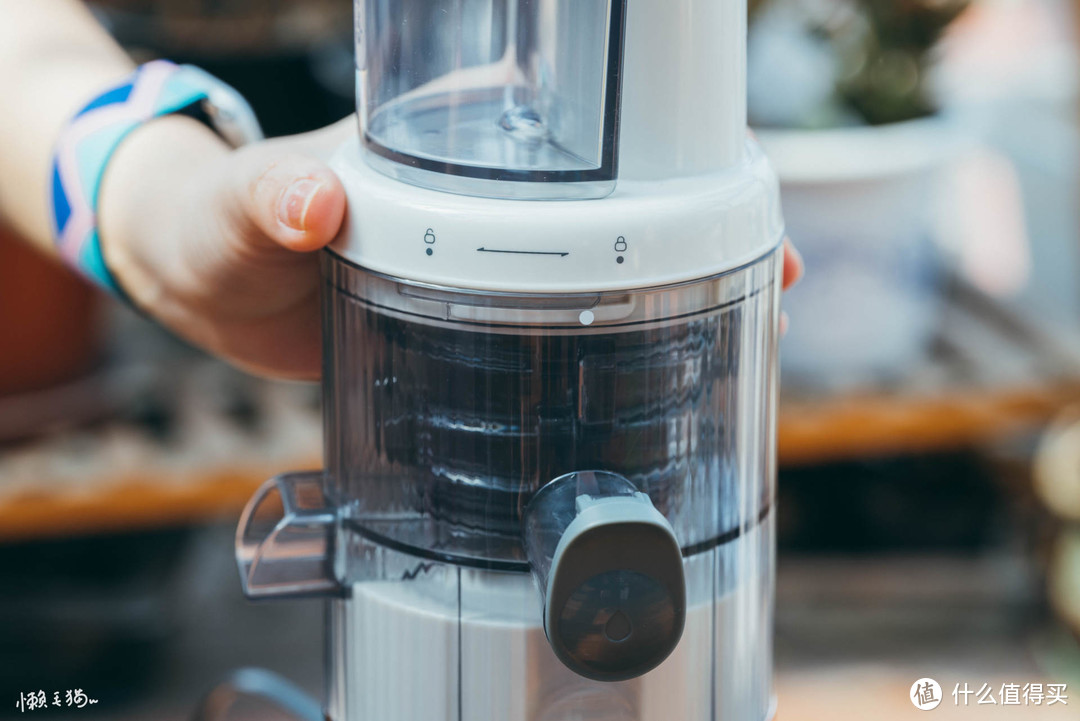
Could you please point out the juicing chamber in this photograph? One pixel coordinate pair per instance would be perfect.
(550, 333)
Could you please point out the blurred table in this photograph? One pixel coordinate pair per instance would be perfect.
(989, 375)
(194, 442)
(853, 634)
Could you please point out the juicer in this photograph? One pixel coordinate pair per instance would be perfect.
(550, 339)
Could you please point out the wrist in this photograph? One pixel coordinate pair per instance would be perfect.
(145, 201)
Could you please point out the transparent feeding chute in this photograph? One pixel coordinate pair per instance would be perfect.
(505, 98)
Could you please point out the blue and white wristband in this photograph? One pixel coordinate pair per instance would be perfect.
(88, 141)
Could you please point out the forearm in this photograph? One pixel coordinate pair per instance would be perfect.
(53, 58)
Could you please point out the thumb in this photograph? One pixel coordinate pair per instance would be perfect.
(289, 198)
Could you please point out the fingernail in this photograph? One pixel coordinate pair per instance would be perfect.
(295, 201)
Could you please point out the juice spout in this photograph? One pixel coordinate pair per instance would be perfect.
(285, 541)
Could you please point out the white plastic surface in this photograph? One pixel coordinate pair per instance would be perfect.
(645, 234)
(411, 657)
(684, 88)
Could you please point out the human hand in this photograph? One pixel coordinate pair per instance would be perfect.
(218, 244)
(794, 268)
(793, 265)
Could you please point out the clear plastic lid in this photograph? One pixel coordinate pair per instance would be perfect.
(466, 95)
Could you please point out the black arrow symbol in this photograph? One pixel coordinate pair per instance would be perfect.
(524, 252)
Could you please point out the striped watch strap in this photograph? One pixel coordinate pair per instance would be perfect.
(88, 142)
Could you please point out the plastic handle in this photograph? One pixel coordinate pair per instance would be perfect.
(262, 685)
(610, 573)
(285, 541)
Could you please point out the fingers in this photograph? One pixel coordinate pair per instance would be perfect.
(294, 200)
(286, 345)
(794, 267)
(793, 272)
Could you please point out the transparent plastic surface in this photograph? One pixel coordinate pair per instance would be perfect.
(465, 95)
(284, 540)
(446, 411)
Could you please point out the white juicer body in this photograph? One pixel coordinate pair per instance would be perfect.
(594, 292)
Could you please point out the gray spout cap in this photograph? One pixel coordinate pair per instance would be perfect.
(616, 596)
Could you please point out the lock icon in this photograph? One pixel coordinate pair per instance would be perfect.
(429, 237)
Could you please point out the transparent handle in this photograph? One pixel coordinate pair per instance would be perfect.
(285, 541)
(258, 684)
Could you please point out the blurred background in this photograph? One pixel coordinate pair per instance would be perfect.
(930, 417)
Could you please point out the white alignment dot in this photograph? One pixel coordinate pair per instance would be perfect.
(586, 317)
